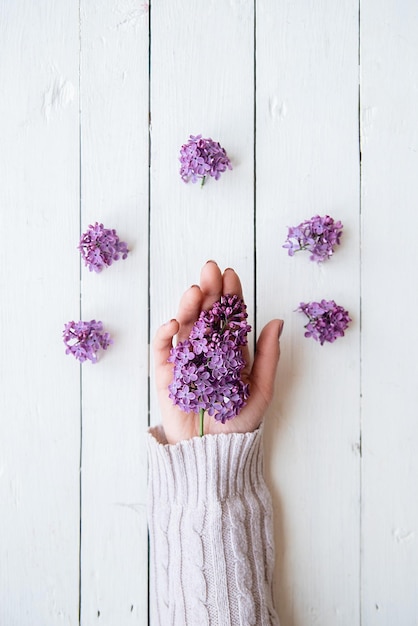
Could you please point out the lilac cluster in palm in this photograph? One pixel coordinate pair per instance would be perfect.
(85, 339)
(327, 320)
(319, 235)
(208, 365)
(100, 246)
(201, 157)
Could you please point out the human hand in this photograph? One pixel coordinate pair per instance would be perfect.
(179, 425)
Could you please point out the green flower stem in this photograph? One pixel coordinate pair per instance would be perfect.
(201, 422)
(203, 181)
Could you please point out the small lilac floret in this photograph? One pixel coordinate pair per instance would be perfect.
(85, 339)
(319, 235)
(200, 158)
(208, 365)
(327, 320)
(100, 246)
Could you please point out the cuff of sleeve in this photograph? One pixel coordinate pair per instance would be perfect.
(204, 469)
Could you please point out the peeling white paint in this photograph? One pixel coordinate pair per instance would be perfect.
(58, 96)
(368, 115)
(403, 536)
(277, 109)
(134, 18)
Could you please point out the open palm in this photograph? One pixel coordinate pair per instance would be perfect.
(179, 425)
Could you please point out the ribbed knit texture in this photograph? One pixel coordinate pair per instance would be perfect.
(211, 535)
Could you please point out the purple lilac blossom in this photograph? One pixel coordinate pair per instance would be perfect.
(327, 320)
(202, 157)
(208, 365)
(319, 235)
(100, 246)
(85, 339)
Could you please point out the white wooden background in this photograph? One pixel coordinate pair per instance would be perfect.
(316, 104)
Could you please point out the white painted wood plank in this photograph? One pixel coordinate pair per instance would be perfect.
(389, 102)
(201, 83)
(114, 174)
(308, 163)
(39, 286)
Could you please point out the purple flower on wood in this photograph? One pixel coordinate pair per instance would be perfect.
(319, 235)
(202, 157)
(85, 339)
(208, 365)
(100, 246)
(327, 320)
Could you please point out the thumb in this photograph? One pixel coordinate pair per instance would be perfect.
(266, 358)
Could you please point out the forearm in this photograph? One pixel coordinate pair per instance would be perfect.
(210, 521)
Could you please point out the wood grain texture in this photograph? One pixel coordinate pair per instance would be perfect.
(114, 190)
(389, 101)
(39, 284)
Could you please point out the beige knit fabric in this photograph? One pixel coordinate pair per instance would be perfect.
(211, 537)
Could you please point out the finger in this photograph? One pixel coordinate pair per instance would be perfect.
(189, 310)
(231, 283)
(163, 342)
(210, 284)
(266, 358)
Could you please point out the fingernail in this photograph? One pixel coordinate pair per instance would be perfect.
(281, 327)
(191, 286)
(210, 261)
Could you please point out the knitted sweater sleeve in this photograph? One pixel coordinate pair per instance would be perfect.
(211, 535)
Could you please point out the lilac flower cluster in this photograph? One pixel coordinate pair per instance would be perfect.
(208, 365)
(85, 339)
(327, 320)
(100, 246)
(319, 235)
(202, 157)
